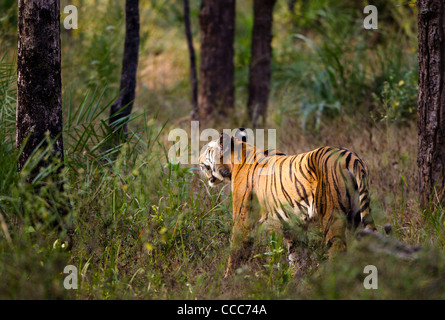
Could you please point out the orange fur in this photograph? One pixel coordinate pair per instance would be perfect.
(326, 185)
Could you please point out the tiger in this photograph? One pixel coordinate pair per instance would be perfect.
(328, 185)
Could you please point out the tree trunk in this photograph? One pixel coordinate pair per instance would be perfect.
(216, 88)
(431, 99)
(193, 76)
(121, 108)
(39, 84)
(259, 75)
(291, 4)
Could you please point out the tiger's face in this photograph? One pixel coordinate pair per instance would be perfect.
(211, 164)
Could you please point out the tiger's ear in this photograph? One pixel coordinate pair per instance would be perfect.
(226, 143)
(241, 134)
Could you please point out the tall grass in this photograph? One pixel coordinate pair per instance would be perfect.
(336, 66)
(146, 228)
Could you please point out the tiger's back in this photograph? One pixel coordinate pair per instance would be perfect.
(312, 184)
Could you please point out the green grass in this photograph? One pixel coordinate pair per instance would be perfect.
(146, 228)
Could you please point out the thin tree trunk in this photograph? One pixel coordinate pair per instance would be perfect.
(39, 84)
(291, 4)
(431, 99)
(216, 89)
(39, 100)
(259, 75)
(191, 49)
(121, 108)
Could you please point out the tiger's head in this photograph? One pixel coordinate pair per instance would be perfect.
(216, 161)
(212, 163)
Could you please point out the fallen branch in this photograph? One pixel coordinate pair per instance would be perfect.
(384, 244)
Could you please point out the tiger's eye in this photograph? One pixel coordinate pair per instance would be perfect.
(205, 167)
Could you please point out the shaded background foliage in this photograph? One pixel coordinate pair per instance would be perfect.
(149, 228)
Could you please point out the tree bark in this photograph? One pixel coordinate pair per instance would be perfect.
(259, 73)
(39, 84)
(121, 108)
(191, 49)
(216, 89)
(291, 4)
(431, 99)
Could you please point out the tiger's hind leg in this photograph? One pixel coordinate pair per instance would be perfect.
(334, 229)
(333, 201)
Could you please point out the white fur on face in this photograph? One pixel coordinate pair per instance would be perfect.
(213, 144)
(208, 165)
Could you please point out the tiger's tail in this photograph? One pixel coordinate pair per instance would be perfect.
(361, 174)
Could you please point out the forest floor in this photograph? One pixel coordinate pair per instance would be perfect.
(147, 228)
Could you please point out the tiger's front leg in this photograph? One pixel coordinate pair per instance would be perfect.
(241, 250)
(244, 221)
(298, 254)
(298, 257)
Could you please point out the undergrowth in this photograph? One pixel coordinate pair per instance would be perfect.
(138, 226)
